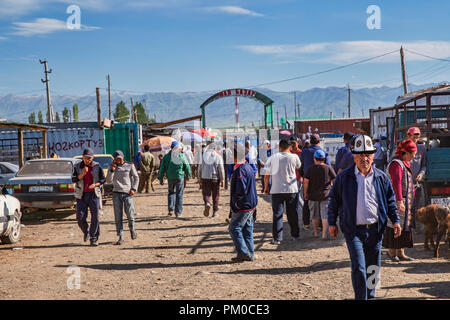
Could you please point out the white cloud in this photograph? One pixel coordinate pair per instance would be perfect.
(44, 26)
(233, 10)
(14, 8)
(351, 51)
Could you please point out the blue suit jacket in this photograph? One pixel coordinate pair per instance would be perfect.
(343, 197)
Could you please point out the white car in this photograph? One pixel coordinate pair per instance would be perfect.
(10, 216)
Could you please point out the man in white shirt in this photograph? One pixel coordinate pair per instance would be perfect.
(281, 167)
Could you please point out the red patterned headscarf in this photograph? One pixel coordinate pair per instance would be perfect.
(405, 146)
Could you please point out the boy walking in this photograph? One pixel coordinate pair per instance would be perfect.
(243, 201)
(124, 177)
(317, 185)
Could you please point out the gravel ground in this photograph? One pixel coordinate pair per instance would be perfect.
(190, 258)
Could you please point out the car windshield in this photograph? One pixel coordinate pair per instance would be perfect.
(46, 168)
(104, 162)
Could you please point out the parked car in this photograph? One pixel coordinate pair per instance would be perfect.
(44, 183)
(7, 171)
(105, 161)
(10, 215)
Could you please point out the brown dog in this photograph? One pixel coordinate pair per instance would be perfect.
(443, 219)
(435, 218)
(427, 215)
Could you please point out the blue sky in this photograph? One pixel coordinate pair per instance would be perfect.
(198, 45)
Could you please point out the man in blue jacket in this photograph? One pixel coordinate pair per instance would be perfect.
(344, 157)
(364, 198)
(243, 201)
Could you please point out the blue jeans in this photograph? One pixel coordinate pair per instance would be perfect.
(241, 231)
(280, 201)
(89, 201)
(365, 251)
(175, 197)
(123, 201)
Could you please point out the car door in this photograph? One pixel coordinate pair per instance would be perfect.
(3, 217)
(5, 174)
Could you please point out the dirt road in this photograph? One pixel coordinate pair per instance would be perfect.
(189, 258)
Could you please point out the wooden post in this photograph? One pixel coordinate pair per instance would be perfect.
(402, 57)
(20, 145)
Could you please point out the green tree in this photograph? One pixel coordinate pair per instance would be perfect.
(122, 114)
(65, 115)
(32, 118)
(40, 119)
(75, 112)
(57, 119)
(141, 115)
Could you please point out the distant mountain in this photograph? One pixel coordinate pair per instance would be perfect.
(315, 102)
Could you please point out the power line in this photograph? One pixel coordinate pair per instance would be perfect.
(324, 71)
(426, 56)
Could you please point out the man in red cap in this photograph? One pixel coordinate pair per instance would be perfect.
(418, 166)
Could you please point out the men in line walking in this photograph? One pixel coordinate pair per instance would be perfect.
(176, 168)
(243, 202)
(307, 160)
(281, 167)
(211, 177)
(88, 176)
(147, 163)
(124, 177)
(364, 199)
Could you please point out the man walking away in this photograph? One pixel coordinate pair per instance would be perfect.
(281, 168)
(211, 176)
(147, 163)
(363, 197)
(317, 184)
(175, 166)
(243, 202)
(344, 157)
(88, 176)
(307, 160)
(125, 180)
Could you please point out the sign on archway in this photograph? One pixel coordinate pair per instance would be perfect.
(246, 93)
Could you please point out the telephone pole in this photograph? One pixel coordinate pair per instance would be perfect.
(49, 104)
(109, 97)
(402, 58)
(348, 88)
(99, 115)
(298, 112)
(132, 110)
(295, 105)
(278, 121)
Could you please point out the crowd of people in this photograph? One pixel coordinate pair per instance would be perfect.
(371, 199)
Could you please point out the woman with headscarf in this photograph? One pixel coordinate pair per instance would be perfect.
(400, 173)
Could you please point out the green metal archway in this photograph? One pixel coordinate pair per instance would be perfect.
(246, 93)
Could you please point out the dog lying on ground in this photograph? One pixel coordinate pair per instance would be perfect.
(436, 219)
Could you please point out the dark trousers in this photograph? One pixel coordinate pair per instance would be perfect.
(365, 256)
(306, 214)
(89, 200)
(279, 202)
(144, 181)
(209, 188)
(225, 168)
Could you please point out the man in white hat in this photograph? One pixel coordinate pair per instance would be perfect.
(363, 197)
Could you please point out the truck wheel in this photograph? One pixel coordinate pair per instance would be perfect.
(14, 236)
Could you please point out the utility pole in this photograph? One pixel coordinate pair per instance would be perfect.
(298, 107)
(285, 116)
(402, 57)
(278, 121)
(49, 104)
(295, 105)
(99, 114)
(132, 110)
(348, 88)
(109, 97)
